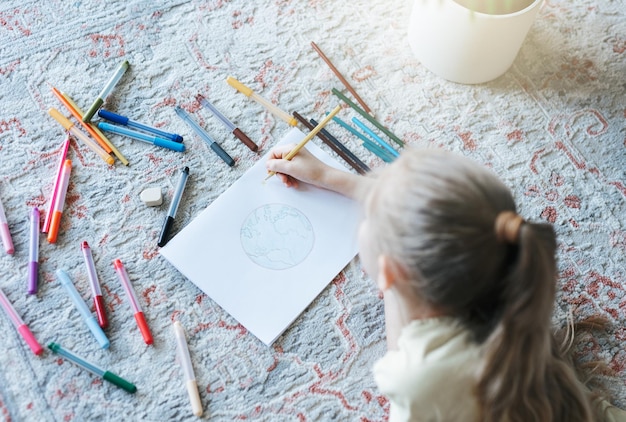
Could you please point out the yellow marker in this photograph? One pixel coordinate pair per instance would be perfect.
(248, 92)
(308, 137)
(95, 129)
(69, 126)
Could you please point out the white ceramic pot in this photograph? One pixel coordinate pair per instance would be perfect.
(469, 41)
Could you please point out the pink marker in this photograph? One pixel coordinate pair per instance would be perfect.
(21, 327)
(5, 234)
(55, 188)
(139, 316)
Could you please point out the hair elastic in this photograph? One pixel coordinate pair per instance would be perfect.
(507, 226)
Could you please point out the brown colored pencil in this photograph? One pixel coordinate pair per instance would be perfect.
(341, 78)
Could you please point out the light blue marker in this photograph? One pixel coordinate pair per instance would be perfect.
(89, 319)
(377, 138)
(160, 142)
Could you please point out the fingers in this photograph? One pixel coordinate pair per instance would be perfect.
(281, 151)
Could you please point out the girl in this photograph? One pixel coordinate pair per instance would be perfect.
(468, 287)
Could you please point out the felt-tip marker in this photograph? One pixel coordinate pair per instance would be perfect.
(140, 136)
(185, 363)
(98, 301)
(229, 125)
(119, 72)
(132, 298)
(20, 325)
(99, 372)
(205, 136)
(80, 304)
(33, 264)
(7, 240)
(171, 212)
(125, 121)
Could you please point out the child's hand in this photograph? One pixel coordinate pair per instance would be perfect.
(304, 167)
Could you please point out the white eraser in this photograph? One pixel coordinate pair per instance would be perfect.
(151, 197)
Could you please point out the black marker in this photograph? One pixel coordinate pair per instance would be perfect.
(171, 213)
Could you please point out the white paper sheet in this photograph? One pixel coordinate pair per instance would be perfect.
(263, 251)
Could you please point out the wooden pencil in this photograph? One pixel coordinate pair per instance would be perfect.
(341, 78)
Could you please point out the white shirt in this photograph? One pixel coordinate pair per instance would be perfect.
(432, 375)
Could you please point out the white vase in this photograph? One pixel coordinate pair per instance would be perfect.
(469, 41)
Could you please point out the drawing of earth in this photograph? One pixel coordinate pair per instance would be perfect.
(277, 236)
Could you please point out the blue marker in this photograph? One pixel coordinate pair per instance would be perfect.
(80, 304)
(205, 136)
(377, 138)
(160, 142)
(125, 121)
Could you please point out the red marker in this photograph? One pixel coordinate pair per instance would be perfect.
(98, 301)
(139, 317)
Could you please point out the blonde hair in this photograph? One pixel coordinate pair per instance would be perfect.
(434, 213)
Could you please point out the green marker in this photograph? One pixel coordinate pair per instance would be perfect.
(368, 117)
(106, 375)
(119, 72)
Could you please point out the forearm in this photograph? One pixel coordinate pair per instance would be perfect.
(347, 184)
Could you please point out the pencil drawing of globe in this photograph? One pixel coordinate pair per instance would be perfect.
(277, 236)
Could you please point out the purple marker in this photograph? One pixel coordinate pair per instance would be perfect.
(5, 234)
(33, 262)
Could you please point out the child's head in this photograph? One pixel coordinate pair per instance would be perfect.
(434, 213)
(450, 226)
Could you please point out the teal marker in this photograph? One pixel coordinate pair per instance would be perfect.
(99, 372)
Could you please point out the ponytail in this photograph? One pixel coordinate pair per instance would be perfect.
(523, 376)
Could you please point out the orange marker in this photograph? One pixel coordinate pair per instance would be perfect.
(57, 210)
(105, 146)
(99, 133)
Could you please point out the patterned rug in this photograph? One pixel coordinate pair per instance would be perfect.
(553, 127)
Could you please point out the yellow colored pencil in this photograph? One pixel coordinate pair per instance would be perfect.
(308, 137)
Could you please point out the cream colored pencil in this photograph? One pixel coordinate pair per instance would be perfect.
(308, 137)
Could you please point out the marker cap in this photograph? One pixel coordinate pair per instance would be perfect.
(98, 302)
(166, 143)
(30, 339)
(143, 327)
(194, 397)
(56, 114)
(113, 117)
(92, 110)
(102, 339)
(33, 270)
(5, 234)
(239, 86)
(55, 222)
(244, 138)
(119, 381)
